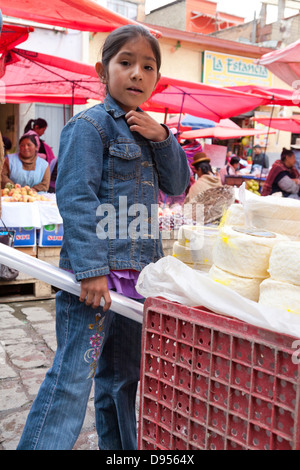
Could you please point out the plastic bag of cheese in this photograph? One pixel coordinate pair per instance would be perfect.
(277, 214)
(195, 245)
(173, 280)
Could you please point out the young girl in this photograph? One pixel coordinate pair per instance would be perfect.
(113, 159)
(37, 128)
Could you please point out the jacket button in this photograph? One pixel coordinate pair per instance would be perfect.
(145, 164)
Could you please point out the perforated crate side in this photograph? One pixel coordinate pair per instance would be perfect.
(213, 382)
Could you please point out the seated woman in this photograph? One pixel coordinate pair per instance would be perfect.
(206, 178)
(37, 127)
(283, 177)
(26, 168)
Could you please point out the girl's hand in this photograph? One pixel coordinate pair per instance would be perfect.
(92, 291)
(145, 125)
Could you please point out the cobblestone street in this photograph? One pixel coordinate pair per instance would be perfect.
(27, 347)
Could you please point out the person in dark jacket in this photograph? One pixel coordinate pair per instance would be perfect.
(283, 177)
(259, 158)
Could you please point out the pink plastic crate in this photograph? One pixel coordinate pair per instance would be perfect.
(213, 382)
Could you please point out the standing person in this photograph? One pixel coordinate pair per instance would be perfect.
(37, 127)
(113, 159)
(259, 159)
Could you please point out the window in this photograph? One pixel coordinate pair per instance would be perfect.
(127, 9)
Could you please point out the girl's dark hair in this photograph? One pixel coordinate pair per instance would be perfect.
(286, 153)
(117, 38)
(234, 160)
(30, 137)
(41, 123)
(7, 143)
(204, 167)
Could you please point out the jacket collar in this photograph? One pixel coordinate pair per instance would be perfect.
(113, 108)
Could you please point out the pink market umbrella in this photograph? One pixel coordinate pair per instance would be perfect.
(13, 35)
(277, 96)
(284, 63)
(34, 77)
(82, 15)
(202, 100)
(288, 124)
(223, 133)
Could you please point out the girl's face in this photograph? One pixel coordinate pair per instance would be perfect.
(27, 149)
(39, 130)
(132, 74)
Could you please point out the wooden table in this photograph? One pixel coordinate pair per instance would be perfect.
(238, 180)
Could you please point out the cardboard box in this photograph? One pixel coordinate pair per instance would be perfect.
(24, 236)
(51, 235)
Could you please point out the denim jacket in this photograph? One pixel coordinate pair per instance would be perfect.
(107, 191)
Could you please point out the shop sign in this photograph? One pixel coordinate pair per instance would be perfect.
(228, 70)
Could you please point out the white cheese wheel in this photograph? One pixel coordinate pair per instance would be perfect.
(276, 208)
(243, 254)
(234, 216)
(277, 214)
(280, 295)
(183, 253)
(187, 233)
(291, 228)
(247, 287)
(199, 240)
(285, 262)
(199, 267)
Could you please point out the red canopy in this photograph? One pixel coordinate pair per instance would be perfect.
(284, 63)
(222, 133)
(179, 96)
(12, 35)
(34, 77)
(82, 15)
(288, 124)
(276, 96)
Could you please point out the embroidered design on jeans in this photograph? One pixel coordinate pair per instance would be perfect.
(96, 341)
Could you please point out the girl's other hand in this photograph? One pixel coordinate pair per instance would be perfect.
(145, 125)
(92, 291)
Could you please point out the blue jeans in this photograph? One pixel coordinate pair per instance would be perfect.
(57, 414)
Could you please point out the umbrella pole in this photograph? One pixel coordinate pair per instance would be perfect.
(271, 117)
(180, 114)
(73, 93)
(166, 115)
(267, 140)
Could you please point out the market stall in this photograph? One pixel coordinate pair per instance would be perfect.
(34, 214)
(238, 180)
(38, 232)
(220, 354)
(220, 364)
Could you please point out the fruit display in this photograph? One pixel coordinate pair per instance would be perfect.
(253, 186)
(18, 193)
(172, 218)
